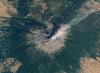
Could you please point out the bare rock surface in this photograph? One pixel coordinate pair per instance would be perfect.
(54, 44)
(89, 65)
(6, 9)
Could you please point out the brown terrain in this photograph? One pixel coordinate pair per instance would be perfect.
(88, 65)
(9, 64)
(6, 8)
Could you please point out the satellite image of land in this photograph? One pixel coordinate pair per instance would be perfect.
(49, 36)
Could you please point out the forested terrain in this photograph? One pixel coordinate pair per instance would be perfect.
(49, 36)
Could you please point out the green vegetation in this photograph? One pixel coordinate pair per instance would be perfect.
(82, 39)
